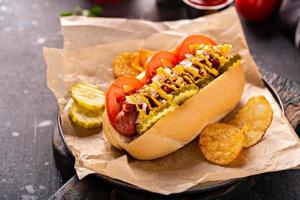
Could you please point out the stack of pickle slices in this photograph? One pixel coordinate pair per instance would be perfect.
(88, 105)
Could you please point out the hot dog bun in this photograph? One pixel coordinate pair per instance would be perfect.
(184, 124)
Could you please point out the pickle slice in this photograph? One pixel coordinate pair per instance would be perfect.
(154, 116)
(204, 81)
(184, 93)
(233, 59)
(88, 96)
(83, 118)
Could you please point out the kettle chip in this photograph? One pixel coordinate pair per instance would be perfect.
(254, 118)
(221, 143)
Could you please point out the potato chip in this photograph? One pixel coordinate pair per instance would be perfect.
(144, 55)
(221, 143)
(127, 63)
(253, 119)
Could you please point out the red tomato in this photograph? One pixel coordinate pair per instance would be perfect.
(115, 95)
(160, 59)
(188, 44)
(131, 82)
(256, 10)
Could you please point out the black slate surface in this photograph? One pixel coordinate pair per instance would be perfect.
(28, 109)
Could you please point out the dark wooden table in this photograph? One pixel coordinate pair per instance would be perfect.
(28, 109)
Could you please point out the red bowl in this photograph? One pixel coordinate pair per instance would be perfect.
(208, 4)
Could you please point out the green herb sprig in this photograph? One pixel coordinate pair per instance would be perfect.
(94, 11)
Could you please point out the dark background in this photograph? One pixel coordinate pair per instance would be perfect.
(28, 109)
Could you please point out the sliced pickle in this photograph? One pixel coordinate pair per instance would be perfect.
(202, 82)
(88, 96)
(233, 59)
(185, 93)
(153, 117)
(83, 118)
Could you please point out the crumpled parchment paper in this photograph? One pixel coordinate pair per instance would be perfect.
(90, 45)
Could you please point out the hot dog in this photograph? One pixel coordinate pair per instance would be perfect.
(182, 92)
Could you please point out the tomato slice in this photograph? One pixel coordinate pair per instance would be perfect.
(115, 95)
(188, 45)
(160, 59)
(129, 82)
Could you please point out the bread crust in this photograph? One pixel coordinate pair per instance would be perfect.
(185, 123)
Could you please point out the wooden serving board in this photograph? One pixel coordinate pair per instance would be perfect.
(92, 186)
